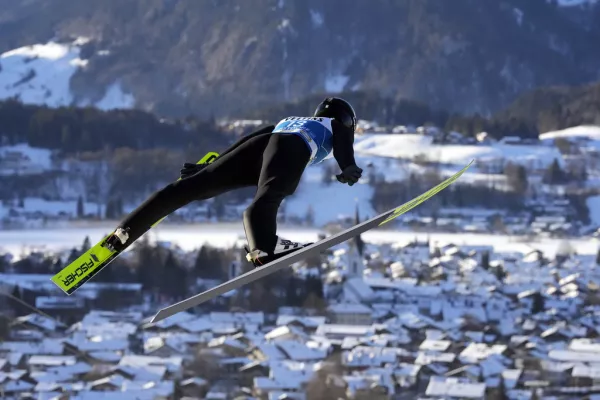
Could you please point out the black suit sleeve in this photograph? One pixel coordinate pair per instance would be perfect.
(343, 145)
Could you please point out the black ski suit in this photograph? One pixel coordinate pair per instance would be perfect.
(274, 162)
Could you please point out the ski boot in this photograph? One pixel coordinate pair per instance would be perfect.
(283, 247)
(116, 241)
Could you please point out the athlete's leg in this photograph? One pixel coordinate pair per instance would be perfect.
(284, 161)
(244, 139)
(237, 169)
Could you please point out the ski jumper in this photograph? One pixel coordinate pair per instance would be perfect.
(273, 159)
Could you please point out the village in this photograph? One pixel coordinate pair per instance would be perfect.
(410, 321)
(417, 320)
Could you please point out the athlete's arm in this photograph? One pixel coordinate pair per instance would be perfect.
(343, 145)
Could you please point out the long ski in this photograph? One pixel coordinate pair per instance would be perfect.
(305, 252)
(86, 266)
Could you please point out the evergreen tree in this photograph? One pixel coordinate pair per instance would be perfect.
(3, 264)
(86, 244)
(208, 264)
(554, 174)
(174, 282)
(118, 207)
(500, 273)
(80, 208)
(218, 207)
(293, 297)
(328, 174)
(4, 328)
(516, 176)
(310, 215)
(73, 255)
(485, 260)
(109, 212)
(16, 302)
(57, 265)
(149, 269)
(539, 304)
(314, 285)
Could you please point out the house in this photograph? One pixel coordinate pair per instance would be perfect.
(194, 387)
(453, 387)
(406, 375)
(350, 314)
(308, 324)
(585, 375)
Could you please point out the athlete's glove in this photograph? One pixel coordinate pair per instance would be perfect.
(350, 175)
(190, 169)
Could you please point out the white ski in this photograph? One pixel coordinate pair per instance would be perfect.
(305, 252)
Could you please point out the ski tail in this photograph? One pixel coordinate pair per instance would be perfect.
(305, 252)
(70, 278)
(74, 275)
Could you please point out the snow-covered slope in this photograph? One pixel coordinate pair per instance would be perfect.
(395, 156)
(419, 147)
(590, 132)
(23, 159)
(574, 3)
(41, 74)
(329, 202)
(593, 204)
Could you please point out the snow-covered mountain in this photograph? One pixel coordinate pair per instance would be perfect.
(41, 74)
(181, 58)
(576, 3)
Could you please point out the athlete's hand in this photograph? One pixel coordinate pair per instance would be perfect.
(350, 175)
(190, 169)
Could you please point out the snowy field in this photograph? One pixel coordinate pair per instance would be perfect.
(223, 235)
(29, 160)
(590, 132)
(414, 146)
(41, 74)
(593, 204)
(574, 3)
(585, 136)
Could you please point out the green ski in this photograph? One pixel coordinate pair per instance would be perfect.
(305, 252)
(74, 275)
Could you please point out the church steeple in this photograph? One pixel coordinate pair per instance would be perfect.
(358, 242)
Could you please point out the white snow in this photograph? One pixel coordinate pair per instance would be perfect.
(316, 18)
(330, 202)
(189, 237)
(590, 132)
(414, 146)
(335, 83)
(114, 98)
(24, 159)
(41, 74)
(593, 204)
(573, 3)
(518, 15)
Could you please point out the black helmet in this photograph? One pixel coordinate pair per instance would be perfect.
(338, 109)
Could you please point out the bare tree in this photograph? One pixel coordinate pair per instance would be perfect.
(206, 366)
(327, 383)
